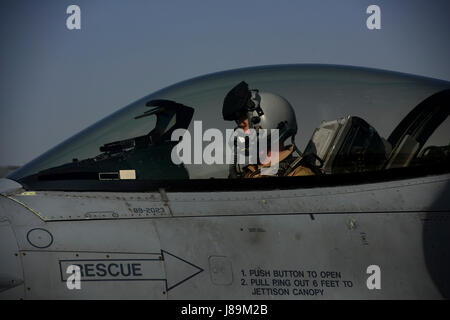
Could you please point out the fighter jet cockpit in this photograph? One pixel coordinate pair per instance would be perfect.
(341, 124)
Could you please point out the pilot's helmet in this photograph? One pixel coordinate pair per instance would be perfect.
(264, 110)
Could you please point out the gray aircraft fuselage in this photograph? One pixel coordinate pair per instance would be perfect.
(305, 243)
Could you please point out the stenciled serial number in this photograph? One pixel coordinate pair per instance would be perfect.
(153, 211)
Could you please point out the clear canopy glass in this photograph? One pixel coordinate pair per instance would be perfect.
(134, 143)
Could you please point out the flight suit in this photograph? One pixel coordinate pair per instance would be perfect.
(289, 166)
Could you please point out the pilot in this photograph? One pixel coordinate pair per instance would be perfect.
(251, 109)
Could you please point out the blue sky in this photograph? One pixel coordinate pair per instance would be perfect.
(55, 82)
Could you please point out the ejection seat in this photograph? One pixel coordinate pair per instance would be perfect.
(347, 145)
